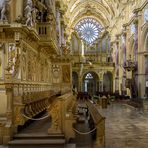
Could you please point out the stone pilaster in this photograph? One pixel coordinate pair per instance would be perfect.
(117, 66)
(124, 61)
(8, 129)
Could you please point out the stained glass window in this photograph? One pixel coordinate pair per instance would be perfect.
(89, 29)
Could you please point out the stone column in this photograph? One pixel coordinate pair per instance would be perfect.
(136, 40)
(135, 73)
(109, 51)
(117, 66)
(124, 62)
(80, 84)
(58, 25)
(101, 85)
(101, 50)
(141, 57)
(101, 82)
(62, 33)
(2, 61)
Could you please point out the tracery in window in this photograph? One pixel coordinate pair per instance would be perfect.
(89, 76)
(89, 30)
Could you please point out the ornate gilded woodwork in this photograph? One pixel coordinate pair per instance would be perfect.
(66, 73)
(30, 104)
(62, 112)
(32, 62)
(55, 113)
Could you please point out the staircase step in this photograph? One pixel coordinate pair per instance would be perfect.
(37, 143)
(39, 136)
(70, 146)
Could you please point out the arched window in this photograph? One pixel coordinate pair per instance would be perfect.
(88, 29)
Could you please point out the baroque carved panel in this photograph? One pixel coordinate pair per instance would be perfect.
(56, 73)
(13, 65)
(66, 73)
(32, 59)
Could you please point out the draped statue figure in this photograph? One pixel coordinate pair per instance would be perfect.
(4, 9)
(28, 13)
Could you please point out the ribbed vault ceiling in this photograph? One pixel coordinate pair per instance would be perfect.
(101, 10)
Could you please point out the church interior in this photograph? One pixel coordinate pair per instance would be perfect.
(74, 73)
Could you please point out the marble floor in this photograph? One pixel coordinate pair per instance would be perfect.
(126, 127)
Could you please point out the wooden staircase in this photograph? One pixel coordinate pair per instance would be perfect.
(38, 141)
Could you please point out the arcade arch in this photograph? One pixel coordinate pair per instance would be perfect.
(90, 82)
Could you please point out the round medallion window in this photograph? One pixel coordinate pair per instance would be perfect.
(89, 30)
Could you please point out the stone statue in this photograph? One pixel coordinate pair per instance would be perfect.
(28, 13)
(4, 10)
(34, 15)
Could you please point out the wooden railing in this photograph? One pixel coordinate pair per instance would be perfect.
(21, 101)
(94, 64)
(61, 112)
(99, 123)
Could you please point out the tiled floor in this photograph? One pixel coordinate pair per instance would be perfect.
(125, 127)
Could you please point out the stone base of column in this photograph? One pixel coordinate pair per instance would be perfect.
(7, 135)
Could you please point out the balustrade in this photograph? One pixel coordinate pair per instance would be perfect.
(99, 123)
(95, 64)
(48, 35)
(46, 32)
(62, 113)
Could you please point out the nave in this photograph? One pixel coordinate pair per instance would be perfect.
(92, 48)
